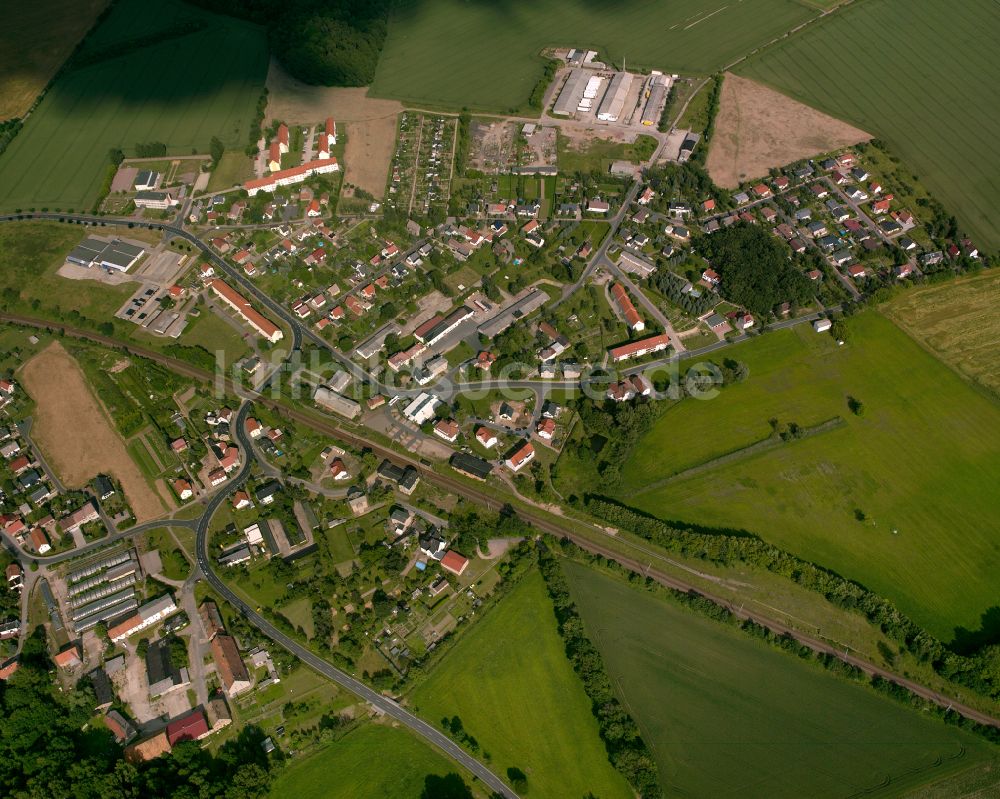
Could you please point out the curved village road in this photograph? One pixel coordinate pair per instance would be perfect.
(382, 703)
(336, 430)
(332, 428)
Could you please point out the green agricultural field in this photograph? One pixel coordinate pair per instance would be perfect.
(488, 57)
(867, 64)
(705, 694)
(181, 87)
(510, 683)
(347, 768)
(902, 498)
(958, 322)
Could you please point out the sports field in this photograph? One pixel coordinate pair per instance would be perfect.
(373, 760)
(486, 56)
(727, 715)
(920, 464)
(869, 64)
(510, 683)
(958, 322)
(179, 86)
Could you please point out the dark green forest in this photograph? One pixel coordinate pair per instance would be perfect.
(328, 42)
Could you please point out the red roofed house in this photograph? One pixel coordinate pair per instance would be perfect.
(188, 728)
(632, 318)
(486, 437)
(183, 488)
(313, 209)
(708, 205)
(40, 541)
(454, 563)
(19, 464)
(241, 500)
(242, 306)
(6, 387)
(761, 190)
(282, 137)
(546, 428)
(68, 658)
(485, 360)
(331, 131)
(254, 428)
(711, 277)
(447, 429)
(178, 445)
(338, 470)
(230, 458)
(520, 456)
(636, 349)
(856, 271)
(274, 157)
(229, 664)
(882, 206)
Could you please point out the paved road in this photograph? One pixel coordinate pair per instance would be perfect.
(377, 700)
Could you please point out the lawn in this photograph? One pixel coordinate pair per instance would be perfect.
(234, 168)
(214, 333)
(705, 694)
(510, 683)
(930, 114)
(371, 761)
(487, 57)
(958, 322)
(31, 254)
(181, 88)
(920, 464)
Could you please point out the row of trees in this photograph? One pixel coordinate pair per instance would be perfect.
(626, 749)
(782, 641)
(979, 671)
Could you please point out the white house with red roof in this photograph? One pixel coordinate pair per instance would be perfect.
(338, 470)
(520, 456)
(486, 437)
(330, 131)
(282, 137)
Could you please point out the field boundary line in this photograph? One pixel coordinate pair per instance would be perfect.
(774, 441)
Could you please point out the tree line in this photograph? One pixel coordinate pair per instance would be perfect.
(626, 749)
(978, 671)
(783, 641)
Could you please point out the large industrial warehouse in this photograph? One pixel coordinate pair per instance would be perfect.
(611, 106)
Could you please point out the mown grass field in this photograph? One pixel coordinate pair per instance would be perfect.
(373, 760)
(487, 56)
(958, 322)
(181, 89)
(930, 111)
(705, 695)
(921, 464)
(509, 681)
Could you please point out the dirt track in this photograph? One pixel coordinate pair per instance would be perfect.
(758, 128)
(74, 433)
(370, 123)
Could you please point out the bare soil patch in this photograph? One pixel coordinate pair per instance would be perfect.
(370, 124)
(758, 128)
(74, 432)
(35, 39)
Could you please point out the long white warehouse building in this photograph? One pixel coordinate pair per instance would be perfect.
(614, 99)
